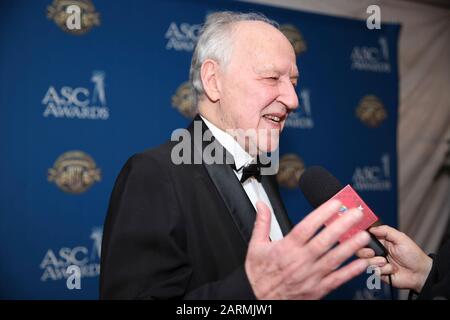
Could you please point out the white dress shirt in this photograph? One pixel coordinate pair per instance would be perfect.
(253, 188)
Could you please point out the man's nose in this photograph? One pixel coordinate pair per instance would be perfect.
(288, 95)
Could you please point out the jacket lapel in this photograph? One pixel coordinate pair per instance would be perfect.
(228, 186)
(234, 196)
(277, 204)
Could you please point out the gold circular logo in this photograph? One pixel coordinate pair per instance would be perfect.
(89, 18)
(295, 37)
(290, 171)
(184, 101)
(74, 172)
(371, 111)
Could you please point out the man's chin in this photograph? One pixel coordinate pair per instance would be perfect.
(268, 146)
(259, 141)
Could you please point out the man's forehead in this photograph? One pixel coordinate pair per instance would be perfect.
(263, 48)
(270, 67)
(256, 32)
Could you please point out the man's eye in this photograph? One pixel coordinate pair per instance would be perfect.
(273, 78)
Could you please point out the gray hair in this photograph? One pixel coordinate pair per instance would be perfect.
(215, 43)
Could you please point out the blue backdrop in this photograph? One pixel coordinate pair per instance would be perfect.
(74, 107)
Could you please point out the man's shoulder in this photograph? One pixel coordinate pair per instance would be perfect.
(159, 157)
(155, 167)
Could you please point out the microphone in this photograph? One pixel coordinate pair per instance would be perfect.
(318, 185)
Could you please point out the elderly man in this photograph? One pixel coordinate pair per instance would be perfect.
(218, 230)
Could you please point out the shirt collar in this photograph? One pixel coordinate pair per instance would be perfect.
(241, 157)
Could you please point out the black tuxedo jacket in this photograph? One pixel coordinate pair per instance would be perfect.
(179, 231)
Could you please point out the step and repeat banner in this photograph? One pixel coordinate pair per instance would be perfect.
(76, 103)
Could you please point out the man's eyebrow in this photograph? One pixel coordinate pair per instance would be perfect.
(264, 69)
(272, 69)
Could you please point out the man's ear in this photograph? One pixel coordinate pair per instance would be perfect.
(209, 73)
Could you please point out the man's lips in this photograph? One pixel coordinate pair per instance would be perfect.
(275, 117)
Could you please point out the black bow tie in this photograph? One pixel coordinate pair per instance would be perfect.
(252, 170)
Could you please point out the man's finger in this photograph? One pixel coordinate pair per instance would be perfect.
(338, 255)
(331, 234)
(261, 230)
(341, 276)
(365, 253)
(304, 230)
(377, 261)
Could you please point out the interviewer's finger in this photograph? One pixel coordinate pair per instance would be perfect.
(304, 230)
(387, 269)
(385, 232)
(385, 279)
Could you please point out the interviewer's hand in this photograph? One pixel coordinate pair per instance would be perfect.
(302, 265)
(409, 265)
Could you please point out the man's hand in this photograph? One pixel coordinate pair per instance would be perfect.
(408, 264)
(303, 265)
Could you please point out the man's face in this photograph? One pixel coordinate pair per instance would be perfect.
(258, 84)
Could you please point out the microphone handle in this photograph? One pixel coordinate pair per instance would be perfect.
(377, 246)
